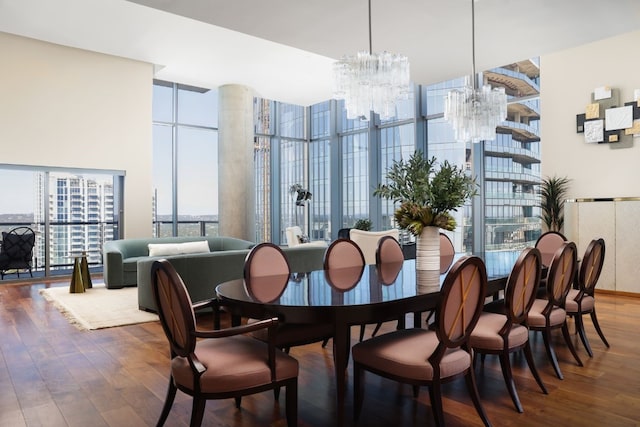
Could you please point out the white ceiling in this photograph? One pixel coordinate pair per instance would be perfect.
(284, 49)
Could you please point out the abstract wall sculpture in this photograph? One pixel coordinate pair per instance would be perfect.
(605, 121)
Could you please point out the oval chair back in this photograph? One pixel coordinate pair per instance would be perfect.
(463, 294)
(561, 273)
(548, 243)
(389, 250)
(447, 253)
(591, 266)
(266, 259)
(343, 253)
(174, 308)
(523, 284)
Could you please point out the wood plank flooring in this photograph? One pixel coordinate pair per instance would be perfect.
(52, 374)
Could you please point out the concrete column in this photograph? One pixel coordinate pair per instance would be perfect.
(236, 183)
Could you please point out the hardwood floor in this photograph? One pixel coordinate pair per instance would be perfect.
(52, 374)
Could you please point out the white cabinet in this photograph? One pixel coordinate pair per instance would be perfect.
(617, 221)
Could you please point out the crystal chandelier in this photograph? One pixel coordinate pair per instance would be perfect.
(371, 82)
(475, 113)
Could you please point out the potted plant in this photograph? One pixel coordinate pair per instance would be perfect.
(428, 192)
(553, 193)
(363, 224)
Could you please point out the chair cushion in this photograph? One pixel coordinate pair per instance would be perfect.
(485, 334)
(571, 306)
(405, 352)
(233, 363)
(535, 318)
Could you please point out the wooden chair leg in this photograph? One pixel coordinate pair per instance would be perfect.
(546, 337)
(567, 339)
(435, 396)
(325, 342)
(197, 412)
(470, 379)
(594, 319)
(358, 391)
(171, 394)
(291, 392)
(376, 329)
(362, 327)
(583, 336)
(532, 367)
(505, 365)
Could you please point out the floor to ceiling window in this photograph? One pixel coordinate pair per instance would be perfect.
(320, 172)
(264, 112)
(293, 167)
(341, 161)
(441, 144)
(72, 211)
(185, 160)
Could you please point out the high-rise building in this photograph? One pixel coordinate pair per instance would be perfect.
(512, 160)
(78, 211)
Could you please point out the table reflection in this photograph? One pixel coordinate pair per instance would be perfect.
(343, 279)
(356, 285)
(266, 289)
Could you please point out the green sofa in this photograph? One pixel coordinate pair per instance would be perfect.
(202, 272)
(121, 257)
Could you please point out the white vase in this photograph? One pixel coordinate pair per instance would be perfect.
(428, 250)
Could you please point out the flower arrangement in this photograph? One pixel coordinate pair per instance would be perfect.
(427, 192)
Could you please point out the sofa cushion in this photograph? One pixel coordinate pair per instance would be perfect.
(162, 249)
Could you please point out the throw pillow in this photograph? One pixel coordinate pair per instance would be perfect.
(303, 238)
(165, 249)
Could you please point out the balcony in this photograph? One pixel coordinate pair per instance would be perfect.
(518, 154)
(515, 83)
(519, 131)
(524, 109)
(63, 243)
(513, 177)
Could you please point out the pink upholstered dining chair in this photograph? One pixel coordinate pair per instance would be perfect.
(503, 334)
(389, 250)
(424, 357)
(447, 253)
(389, 259)
(548, 243)
(581, 301)
(549, 314)
(268, 260)
(217, 364)
(343, 253)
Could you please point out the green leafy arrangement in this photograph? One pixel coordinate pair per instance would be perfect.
(553, 192)
(363, 224)
(427, 192)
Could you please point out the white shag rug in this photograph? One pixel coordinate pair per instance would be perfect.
(98, 307)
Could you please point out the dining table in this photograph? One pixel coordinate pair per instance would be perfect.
(347, 297)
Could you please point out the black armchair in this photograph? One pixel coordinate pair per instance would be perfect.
(16, 252)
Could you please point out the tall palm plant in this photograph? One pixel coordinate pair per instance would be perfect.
(553, 192)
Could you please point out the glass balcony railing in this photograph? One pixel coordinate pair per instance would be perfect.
(58, 244)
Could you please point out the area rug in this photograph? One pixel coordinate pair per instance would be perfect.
(98, 307)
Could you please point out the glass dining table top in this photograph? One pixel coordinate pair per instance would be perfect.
(352, 286)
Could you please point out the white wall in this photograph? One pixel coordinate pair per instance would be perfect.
(67, 107)
(567, 79)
